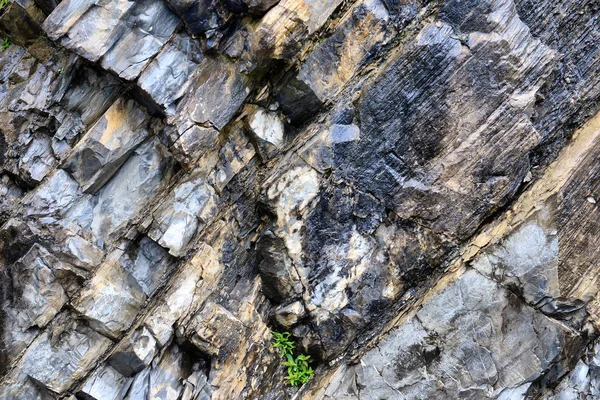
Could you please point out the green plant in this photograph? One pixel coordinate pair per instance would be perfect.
(3, 3)
(5, 44)
(61, 70)
(282, 342)
(299, 372)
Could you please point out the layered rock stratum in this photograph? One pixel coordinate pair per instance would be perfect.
(411, 188)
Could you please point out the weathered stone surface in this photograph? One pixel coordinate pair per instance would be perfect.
(403, 185)
(133, 187)
(333, 62)
(582, 382)
(185, 295)
(58, 358)
(34, 295)
(290, 315)
(36, 285)
(193, 205)
(470, 338)
(148, 263)
(282, 30)
(219, 88)
(194, 143)
(108, 144)
(111, 299)
(215, 330)
(268, 131)
(166, 78)
(135, 353)
(105, 383)
(152, 24)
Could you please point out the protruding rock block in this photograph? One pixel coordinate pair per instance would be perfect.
(108, 144)
(192, 205)
(105, 383)
(142, 176)
(148, 263)
(148, 26)
(111, 299)
(166, 78)
(35, 283)
(283, 29)
(123, 35)
(471, 318)
(219, 88)
(268, 130)
(215, 331)
(134, 353)
(334, 61)
(51, 360)
(186, 295)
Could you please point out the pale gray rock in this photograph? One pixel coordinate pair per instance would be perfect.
(150, 24)
(81, 253)
(344, 133)
(90, 95)
(186, 295)
(268, 131)
(108, 144)
(36, 294)
(38, 159)
(219, 88)
(131, 188)
(471, 338)
(65, 16)
(290, 315)
(54, 197)
(35, 284)
(51, 360)
(148, 263)
(105, 384)
(194, 143)
(139, 386)
(527, 260)
(191, 206)
(135, 353)
(111, 299)
(9, 59)
(88, 28)
(165, 379)
(167, 78)
(267, 126)
(25, 390)
(196, 386)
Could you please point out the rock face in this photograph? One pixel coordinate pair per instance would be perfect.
(408, 187)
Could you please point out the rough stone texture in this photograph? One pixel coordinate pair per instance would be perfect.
(408, 187)
(111, 299)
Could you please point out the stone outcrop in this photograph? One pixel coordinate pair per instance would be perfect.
(408, 187)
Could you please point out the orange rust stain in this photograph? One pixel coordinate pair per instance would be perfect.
(115, 120)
